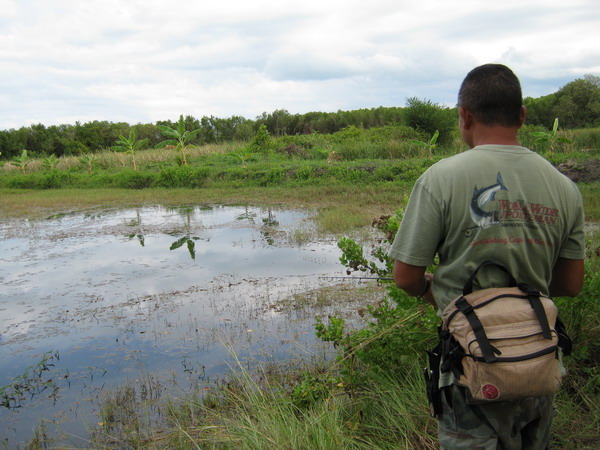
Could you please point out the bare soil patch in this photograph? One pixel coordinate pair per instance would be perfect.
(581, 171)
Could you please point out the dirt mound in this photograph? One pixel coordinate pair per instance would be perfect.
(581, 171)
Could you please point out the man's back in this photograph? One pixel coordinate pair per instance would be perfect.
(502, 203)
(496, 202)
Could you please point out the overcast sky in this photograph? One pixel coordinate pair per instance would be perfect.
(140, 61)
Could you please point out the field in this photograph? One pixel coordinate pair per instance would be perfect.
(362, 400)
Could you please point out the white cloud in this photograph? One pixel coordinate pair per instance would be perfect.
(141, 61)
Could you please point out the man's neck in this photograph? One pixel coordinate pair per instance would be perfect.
(497, 135)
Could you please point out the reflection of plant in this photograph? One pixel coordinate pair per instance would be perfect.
(549, 139)
(130, 145)
(178, 137)
(137, 222)
(22, 161)
(269, 224)
(189, 241)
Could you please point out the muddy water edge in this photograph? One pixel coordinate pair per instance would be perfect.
(163, 299)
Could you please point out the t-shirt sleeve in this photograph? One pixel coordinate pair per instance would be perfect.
(574, 245)
(420, 230)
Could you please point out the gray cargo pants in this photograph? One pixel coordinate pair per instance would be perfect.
(524, 424)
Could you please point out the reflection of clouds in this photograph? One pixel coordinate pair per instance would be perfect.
(69, 260)
(115, 310)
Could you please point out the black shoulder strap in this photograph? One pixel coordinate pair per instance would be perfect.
(538, 308)
(488, 351)
(468, 287)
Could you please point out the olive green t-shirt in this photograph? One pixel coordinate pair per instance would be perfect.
(501, 203)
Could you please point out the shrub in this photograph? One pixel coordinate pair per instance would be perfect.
(586, 138)
(423, 115)
(402, 327)
(384, 173)
(55, 179)
(182, 176)
(271, 177)
(305, 173)
(130, 179)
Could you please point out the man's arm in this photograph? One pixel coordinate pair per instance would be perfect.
(567, 277)
(413, 280)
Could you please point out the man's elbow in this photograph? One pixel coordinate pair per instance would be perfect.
(567, 279)
(565, 292)
(567, 289)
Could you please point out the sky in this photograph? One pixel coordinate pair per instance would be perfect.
(140, 61)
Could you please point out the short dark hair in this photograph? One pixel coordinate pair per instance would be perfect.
(492, 93)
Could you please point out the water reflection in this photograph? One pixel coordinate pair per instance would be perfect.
(149, 294)
(268, 229)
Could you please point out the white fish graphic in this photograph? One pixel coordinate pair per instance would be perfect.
(485, 219)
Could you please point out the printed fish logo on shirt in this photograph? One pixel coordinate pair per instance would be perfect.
(483, 218)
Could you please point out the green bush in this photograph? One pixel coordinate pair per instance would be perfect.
(20, 182)
(586, 138)
(428, 117)
(305, 173)
(402, 327)
(383, 173)
(55, 179)
(130, 179)
(271, 177)
(182, 177)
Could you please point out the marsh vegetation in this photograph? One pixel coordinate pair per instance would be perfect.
(344, 368)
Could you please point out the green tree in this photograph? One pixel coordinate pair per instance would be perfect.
(428, 117)
(578, 102)
(261, 140)
(130, 145)
(179, 137)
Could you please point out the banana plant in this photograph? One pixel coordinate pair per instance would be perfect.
(178, 137)
(88, 160)
(22, 161)
(549, 139)
(130, 145)
(50, 163)
(431, 145)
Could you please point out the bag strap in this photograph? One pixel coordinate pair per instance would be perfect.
(488, 351)
(538, 308)
(468, 287)
(564, 341)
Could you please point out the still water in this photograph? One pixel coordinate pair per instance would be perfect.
(153, 296)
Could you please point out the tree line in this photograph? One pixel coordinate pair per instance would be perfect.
(577, 104)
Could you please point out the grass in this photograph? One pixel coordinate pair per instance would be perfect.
(348, 179)
(310, 406)
(252, 411)
(333, 213)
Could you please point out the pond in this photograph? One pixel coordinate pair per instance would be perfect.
(159, 297)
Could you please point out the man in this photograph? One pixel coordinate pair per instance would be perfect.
(497, 201)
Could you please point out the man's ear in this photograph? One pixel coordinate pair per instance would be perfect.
(466, 117)
(523, 114)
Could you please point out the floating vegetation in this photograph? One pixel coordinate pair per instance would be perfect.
(35, 380)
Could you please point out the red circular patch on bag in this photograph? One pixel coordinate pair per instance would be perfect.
(490, 392)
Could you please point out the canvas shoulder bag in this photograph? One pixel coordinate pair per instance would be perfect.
(502, 343)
